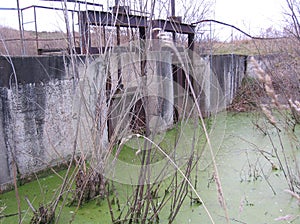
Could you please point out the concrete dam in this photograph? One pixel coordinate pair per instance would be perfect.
(55, 106)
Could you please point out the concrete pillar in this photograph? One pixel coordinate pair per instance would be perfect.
(160, 85)
(4, 165)
(90, 107)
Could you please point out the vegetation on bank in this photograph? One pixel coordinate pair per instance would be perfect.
(10, 43)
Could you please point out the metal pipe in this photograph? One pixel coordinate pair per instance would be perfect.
(119, 56)
(9, 9)
(52, 8)
(173, 15)
(20, 28)
(173, 7)
(22, 20)
(76, 1)
(36, 32)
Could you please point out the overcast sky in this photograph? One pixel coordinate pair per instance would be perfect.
(252, 16)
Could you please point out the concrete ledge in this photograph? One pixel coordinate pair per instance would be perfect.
(31, 69)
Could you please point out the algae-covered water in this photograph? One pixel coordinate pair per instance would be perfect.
(252, 180)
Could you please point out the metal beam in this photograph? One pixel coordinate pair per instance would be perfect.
(75, 1)
(170, 26)
(84, 29)
(112, 19)
(46, 7)
(8, 8)
(173, 7)
(21, 28)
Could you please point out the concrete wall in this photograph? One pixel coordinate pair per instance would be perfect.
(229, 70)
(47, 102)
(35, 113)
(218, 77)
(41, 112)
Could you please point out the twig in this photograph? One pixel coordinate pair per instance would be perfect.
(266, 178)
(181, 172)
(30, 205)
(16, 190)
(238, 29)
(8, 215)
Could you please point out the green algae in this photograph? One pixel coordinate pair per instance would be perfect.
(253, 189)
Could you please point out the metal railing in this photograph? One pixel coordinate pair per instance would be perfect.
(37, 39)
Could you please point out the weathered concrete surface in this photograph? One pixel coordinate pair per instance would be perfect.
(32, 69)
(36, 118)
(56, 101)
(229, 70)
(40, 124)
(39, 121)
(90, 112)
(5, 172)
(156, 88)
(218, 78)
(268, 63)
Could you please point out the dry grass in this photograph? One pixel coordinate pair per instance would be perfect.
(10, 42)
(250, 47)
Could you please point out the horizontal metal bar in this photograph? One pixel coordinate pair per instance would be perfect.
(46, 7)
(8, 8)
(112, 19)
(28, 22)
(75, 1)
(128, 20)
(142, 12)
(28, 7)
(171, 26)
(34, 39)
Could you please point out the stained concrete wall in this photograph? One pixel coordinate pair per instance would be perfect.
(36, 99)
(47, 102)
(5, 172)
(43, 111)
(156, 87)
(218, 78)
(228, 72)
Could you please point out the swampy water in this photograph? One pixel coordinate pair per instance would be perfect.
(252, 181)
